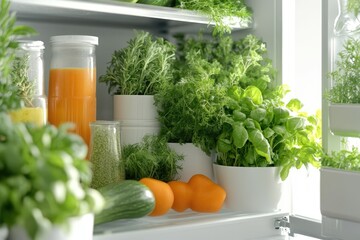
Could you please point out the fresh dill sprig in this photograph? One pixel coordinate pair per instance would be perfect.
(218, 11)
(153, 158)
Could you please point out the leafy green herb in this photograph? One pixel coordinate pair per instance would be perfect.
(192, 109)
(153, 158)
(353, 6)
(141, 68)
(345, 78)
(9, 32)
(44, 178)
(218, 11)
(343, 159)
(224, 98)
(19, 77)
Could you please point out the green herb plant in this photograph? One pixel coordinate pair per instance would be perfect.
(9, 32)
(153, 158)
(353, 6)
(261, 132)
(345, 78)
(141, 68)
(19, 77)
(218, 11)
(44, 177)
(224, 98)
(192, 108)
(343, 159)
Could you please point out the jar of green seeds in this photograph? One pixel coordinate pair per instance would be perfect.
(105, 153)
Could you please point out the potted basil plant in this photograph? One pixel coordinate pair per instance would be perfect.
(344, 94)
(224, 99)
(134, 74)
(261, 140)
(44, 183)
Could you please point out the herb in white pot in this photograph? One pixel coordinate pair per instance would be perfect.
(44, 177)
(141, 68)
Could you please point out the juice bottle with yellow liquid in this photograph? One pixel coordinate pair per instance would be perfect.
(72, 83)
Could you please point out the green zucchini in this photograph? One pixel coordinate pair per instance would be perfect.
(127, 199)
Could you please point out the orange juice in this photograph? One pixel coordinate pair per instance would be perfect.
(72, 98)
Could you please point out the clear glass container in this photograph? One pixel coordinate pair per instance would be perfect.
(346, 22)
(72, 82)
(344, 51)
(28, 74)
(105, 153)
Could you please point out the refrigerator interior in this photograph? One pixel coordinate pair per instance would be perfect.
(114, 24)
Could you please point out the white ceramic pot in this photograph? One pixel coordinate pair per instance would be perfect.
(137, 115)
(344, 119)
(340, 194)
(3, 233)
(195, 161)
(78, 228)
(251, 189)
(134, 107)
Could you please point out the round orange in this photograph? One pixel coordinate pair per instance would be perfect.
(164, 196)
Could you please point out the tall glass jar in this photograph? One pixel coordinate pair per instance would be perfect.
(105, 153)
(72, 82)
(28, 74)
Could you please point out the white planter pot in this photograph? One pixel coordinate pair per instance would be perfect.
(3, 233)
(195, 161)
(344, 119)
(251, 189)
(137, 115)
(79, 228)
(340, 194)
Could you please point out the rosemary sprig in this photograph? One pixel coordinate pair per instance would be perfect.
(19, 77)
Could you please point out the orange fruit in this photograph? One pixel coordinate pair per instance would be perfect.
(182, 195)
(164, 197)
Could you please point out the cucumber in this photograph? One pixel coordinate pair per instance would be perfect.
(127, 199)
(167, 3)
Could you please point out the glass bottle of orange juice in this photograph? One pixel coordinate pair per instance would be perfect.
(72, 82)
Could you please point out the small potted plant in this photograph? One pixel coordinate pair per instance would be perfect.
(135, 73)
(224, 100)
(261, 140)
(339, 179)
(44, 183)
(344, 94)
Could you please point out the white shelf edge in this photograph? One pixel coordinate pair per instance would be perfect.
(189, 224)
(91, 9)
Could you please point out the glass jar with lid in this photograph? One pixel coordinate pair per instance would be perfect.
(72, 82)
(28, 75)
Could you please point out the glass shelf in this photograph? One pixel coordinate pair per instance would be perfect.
(109, 11)
(192, 225)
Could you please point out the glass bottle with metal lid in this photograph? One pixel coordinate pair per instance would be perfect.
(28, 75)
